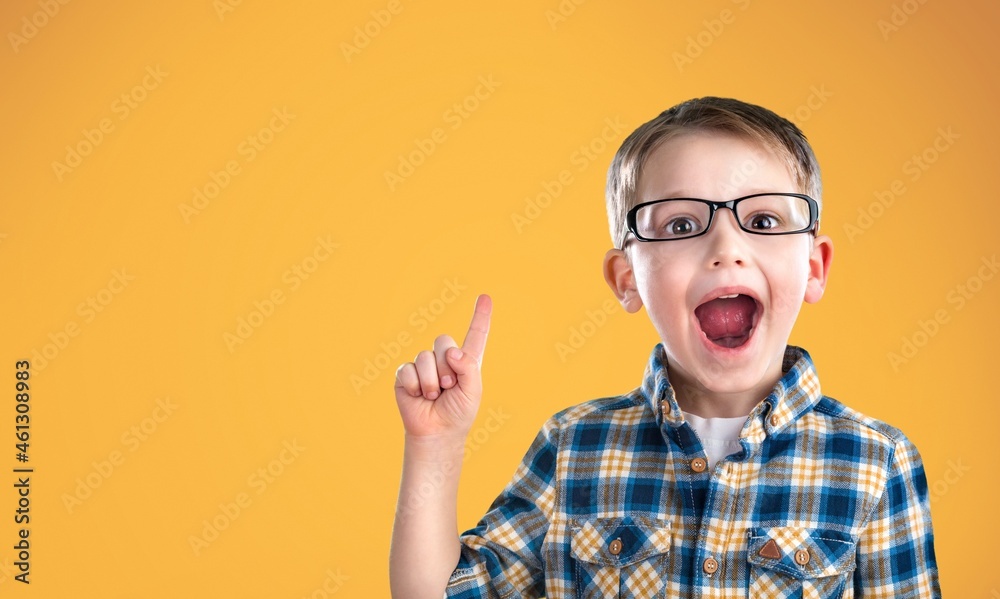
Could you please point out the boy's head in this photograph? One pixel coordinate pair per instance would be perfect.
(749, 122)
(721, 284)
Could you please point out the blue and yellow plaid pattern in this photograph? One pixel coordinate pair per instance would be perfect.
(613, 499)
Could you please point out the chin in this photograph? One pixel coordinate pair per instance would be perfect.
(735, 382)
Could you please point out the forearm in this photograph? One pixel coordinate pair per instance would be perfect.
(425, 547)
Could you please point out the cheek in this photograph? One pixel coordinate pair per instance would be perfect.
(651, 264)
(663, 270)
(662, 289)
(789, 292)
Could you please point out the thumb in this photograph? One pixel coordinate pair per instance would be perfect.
(466, 369)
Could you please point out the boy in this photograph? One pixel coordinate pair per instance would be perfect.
(726, 473)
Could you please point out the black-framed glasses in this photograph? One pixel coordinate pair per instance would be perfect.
(760, 213)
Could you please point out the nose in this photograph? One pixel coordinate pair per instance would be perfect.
(727, 243)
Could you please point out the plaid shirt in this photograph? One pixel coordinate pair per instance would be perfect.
(614, 499)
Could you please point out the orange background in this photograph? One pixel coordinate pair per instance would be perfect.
(161, 413)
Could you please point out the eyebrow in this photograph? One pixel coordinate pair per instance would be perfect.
(682, 194)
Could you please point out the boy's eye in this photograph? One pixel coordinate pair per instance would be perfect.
(672, 219)
(763, 222)
(681, 226)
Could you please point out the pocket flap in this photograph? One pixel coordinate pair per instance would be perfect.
(802, 552)
(617, 542)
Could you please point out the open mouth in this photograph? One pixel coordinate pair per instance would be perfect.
(728, 321)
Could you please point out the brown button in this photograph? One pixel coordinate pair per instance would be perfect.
(802, 557)
(710, 566)
(774, 420)
(770, 550)
(698, 465)
(615, 547)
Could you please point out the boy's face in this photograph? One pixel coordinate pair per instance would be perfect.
(678, 280)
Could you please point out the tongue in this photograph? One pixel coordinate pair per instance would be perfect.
(727, 321)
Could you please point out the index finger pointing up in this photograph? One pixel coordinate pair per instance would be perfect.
(479, 328)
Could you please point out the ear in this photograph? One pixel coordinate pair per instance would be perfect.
(618, 273)
(819, 268)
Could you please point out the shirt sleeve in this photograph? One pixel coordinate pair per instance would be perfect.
(895, 556)
(502, 556)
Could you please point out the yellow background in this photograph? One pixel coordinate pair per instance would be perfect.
(868, 97)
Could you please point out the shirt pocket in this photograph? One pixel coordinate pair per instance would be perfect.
(620, 557)
(791, 562)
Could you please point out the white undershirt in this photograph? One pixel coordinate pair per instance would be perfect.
(719, 436)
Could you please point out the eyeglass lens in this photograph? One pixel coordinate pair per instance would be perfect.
(767, 214)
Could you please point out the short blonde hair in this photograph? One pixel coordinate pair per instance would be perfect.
(725, 115)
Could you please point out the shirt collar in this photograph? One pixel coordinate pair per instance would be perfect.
(796, 392)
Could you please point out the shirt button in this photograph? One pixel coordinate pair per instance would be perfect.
(698, 465)
(774, 420)
(802, 557)
(710, 566)
(615, 547)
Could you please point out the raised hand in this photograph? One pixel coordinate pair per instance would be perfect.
(438, 393)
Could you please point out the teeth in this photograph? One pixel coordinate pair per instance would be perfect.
(728, 296)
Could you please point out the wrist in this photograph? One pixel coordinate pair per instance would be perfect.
(435, 448)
